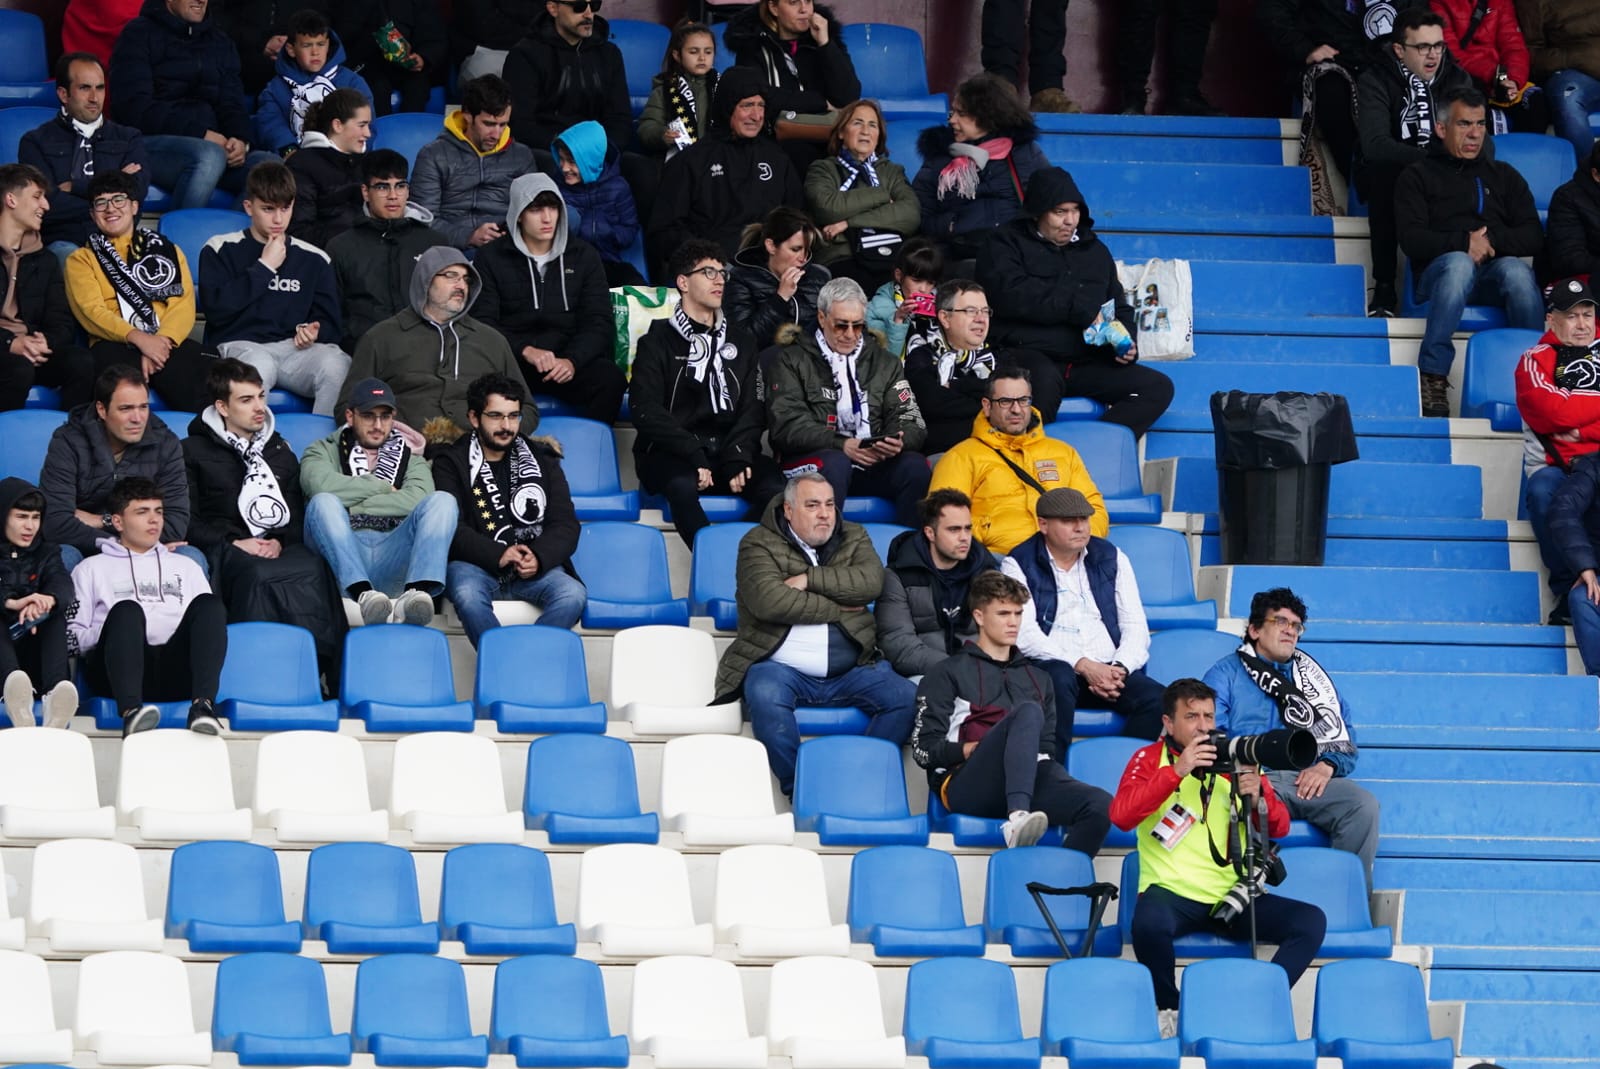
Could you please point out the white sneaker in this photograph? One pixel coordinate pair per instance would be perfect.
(375, 607)
(18, 693)
(414, 607)
(1169, 1023)
(60, 705)
(1024, 828)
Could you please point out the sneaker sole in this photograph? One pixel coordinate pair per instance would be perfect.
(143, 720)
(1031, 830)
(373, 615)
(418, 612)
(19, 703)
(206, 725)
(58, 710)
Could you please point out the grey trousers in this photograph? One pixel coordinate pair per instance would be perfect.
(1347, 811)
(318, 371)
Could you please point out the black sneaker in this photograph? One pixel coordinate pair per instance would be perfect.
(1384, 302)
(1435, 395)
(144, 718)
(1560, 615)
(203, 718)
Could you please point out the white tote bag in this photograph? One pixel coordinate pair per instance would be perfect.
(1162, 295)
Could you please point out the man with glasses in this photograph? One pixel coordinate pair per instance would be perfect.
(517, 527)
(1009, 461)
(1399, 99)
(1269, 683)
(838, 403)
(696, 399)
(567, 70)
(432, 350)
(374, 259)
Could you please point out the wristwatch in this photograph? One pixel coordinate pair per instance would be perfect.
(105, 521)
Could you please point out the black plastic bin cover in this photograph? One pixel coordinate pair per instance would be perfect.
(1269, 431)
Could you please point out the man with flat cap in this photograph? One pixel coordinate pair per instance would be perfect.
(1085, 623)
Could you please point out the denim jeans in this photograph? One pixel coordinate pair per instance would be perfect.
(558, 596)
(1537, 494)
(191, 169)
(414, 552)
(772, 691)
(1573, 95)
(1452, 281)
(1585, 627)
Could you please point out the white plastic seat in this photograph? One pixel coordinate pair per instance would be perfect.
(772, 902)
(825, 1013)
(688, 1013)
(177, 785)
(446, 787)
(28, 1030)
(663, 680)
(717, 790)
(633, 900)
(47, 787)
(134, 1009)
(311, 786)
(13, 930)
(87, 894)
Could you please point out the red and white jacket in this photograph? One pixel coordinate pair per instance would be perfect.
(1548, 409)
(1147, 784)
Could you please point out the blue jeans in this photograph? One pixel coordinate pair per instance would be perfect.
(772, 691)
(1537, 494)
(192, 168)
(558, 596)
(413, 553)
(1453, 281)
(1573, 95)
(71, 558)
(1585, 627)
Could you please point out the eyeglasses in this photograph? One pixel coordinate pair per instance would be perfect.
(1284, 623)
(712, 274)
(1025, 401)
(105, 204)
(845, 327)
(454, 276)
(580, 6)
(1427, 48)
(501, 417)
(390, 187)
(979, 313)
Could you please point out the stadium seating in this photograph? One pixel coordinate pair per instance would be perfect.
(1543, 161)
(624, 566)
(711, 574)
(88, 895)
(1160, 559)
(47, 787)
(663, 682)
(13, 930)
(272, 1009)
(589, 462)
(561, 701)
(851, 791)
(967, 830)
(25, 437)
(1210, 1026)
(398, 678)
(889, 61)
(633, 900)
(826, 1013)
(1100, 1013)
(497, 899)
(191, 228)
(1371, 1014)
(300, 429)
(269, 680)
(1196, 945)
(411, 1009)
(405, 132)
(1010, 915)
(688, 1013)
(225, 897)
(24, 59)
(717, 790)
(1333, 880)
(552, 1011)
(361, 898)
(16, 121)
(906, 901)
(311, 786)
(28, 1029)
(1474, 317)
(447, 788)
(772, 902)
(642, 44)
(1101, 761)
(134, 1008)
(1112, 457)
(176, 785)
(962, 1012)
(1489, 389)
(583, 789)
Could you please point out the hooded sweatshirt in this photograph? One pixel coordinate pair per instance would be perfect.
(162, 581)
(600, 207)
(555, 84)
(951, 688)
(429, 365)
(463, 187)
(168, 76)
(31, 569)
(327, 183)
(281, 109)
(922, 613)
(245, 300)
(556, 300)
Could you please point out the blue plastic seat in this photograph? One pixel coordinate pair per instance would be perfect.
(1187, 653)
(506, 656)
(1374, 1015)
(1100, 1013)
(282, 403)
(851, 791)
(45, 397)
(23, 58)
(711, 573)
(225, 897)
(1195, 945)
(1210, 1025)
(411, 1009)
(882, 534)
(963, 1013)
(624, 566)
(1543, 161)
(1333, 880)
(893, 70)
(397, 678)
(1247, 290)
(25, 438)
(551, 1011)
(191, 228)
(14, 122)
(495, 898)
(1101, 762)
(361, 898)
(272, 1009)
(1489, 388)
(269, 680)
(1111, 454)
(583, 789)
(868, 510)
(642, 45)
(719, 508)
(1010, 915)
(906, 901)
(968, 830)
(405, 132)
(300, 429)
(589, 461)
(1160, 559)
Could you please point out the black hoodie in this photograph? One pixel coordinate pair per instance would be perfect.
(1043, 294)
(555, 85)
(1439, 200)
(34, 570)
(971, 677)
(922, 613)
(807, 79)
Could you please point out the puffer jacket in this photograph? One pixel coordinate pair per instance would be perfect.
(373, 262)
(1497, 41)
(820, 76)
(327, 198)
(79, 473)
(555, 84)
(922, 613)
(890, 205)
(950, 689)
(1004, 508)
(600, 205)
(849, 574)
(168, 76)
(801, 411)
(40, 293)
(1561, 34)
(216, 476)
(50, 148)
(752, 299)
(34, 569)
(1572, 228)
(465, 188)
(998, 199)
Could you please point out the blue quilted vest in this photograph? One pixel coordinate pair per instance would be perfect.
(1099, 560)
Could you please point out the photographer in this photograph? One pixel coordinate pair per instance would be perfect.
(1191, 849)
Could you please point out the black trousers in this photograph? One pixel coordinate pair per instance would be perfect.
(1376, 181)
(41, 652)
(70, 370)
(1139, 704)
(1007, 24)
(187, 666)
(902, 479)
(181, 383)
(383, 78)
(1004, 774)
(678, 481)
(1188, 32)
(595, 389)
(1134, 395)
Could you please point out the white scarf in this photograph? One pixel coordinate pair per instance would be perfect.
(1308, 701)
(709, 353)
(850, 401)
(261, 502)
(304, 94)
(948, 362)
(85, 130)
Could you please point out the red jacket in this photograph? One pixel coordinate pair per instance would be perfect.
(1498, 41)
(1548, 409)
(1147, 784)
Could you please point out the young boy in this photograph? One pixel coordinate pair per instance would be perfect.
(37, 593)
(309, 67)
(271, 300)
(146, 621)
(600, 207)
(918, 270)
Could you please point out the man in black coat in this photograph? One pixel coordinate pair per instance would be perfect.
(37, 331)
(1573, 225)
(1049, 277)
(923, 613)
(566, 70)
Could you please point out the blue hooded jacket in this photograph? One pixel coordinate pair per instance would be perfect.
(278, 121)
(600, 207)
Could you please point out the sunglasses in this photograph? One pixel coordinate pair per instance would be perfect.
(580, 6)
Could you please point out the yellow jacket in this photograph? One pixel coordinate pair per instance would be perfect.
(1003, 506)
(94, 302)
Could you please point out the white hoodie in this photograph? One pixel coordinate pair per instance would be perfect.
(161, 581)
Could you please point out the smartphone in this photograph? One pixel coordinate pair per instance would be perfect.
(922, 304)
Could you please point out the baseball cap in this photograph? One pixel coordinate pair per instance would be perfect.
(372, 393)
(1064, 503)
(1567, 295)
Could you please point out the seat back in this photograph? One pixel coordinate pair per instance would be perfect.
(271, 663)
(45, 769)
(642, 45)
(1160, 559)
(1108, 450)
(962, 998)
(888, 59)
(1214, 989)
(25, 437)
(85, 880)
(906, 886)
(588, 449)
(770, 887)
(850, 776)
(361, 883)
(224, 883)
(585, 775)
(280, 995)
(1371, 1000)
(178, 770)
(405, 132)
(135, 992)
(1007, 903)
(316, 771)
(191, 228)
(499, 884)
(22, 47)
(824, 998)
(14, 122)
(1185, 651)
(882, 534)
(1103, 999)
(27, 1008)
(446, 772)
(1543, 161)
(398, 666)
(686, 997)
(1490, 375)
(551, 997)
(715, 775)
(413, 995)
(711, 571)
(663, 665)
(506, 654)
(633, 884)
(1331, 880)
(625, 562)
(300, 429)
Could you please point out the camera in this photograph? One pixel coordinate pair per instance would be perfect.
(1268, 870)
(1284, 748)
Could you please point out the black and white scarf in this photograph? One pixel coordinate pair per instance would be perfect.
(681, 102)
(261, 501)
(150, 274)
(390, 464)
(854, 170)
(83, 150)
(950, 363)
(1416, 113)
(522, 503)
(709, 354)
(855, 421)
(1307, 701)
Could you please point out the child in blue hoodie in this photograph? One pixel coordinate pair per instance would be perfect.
(309, 67)
(600, 207)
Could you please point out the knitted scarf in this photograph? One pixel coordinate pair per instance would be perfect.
(960, 175)
(514, 515)
(681, 104)
(851, 402)
(304, 94)
(949, 363)
(709, 353)
(150, 274)
(855, 169)
(390, 463)
(1416, 113)
(1307, 700)
(261, 501)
